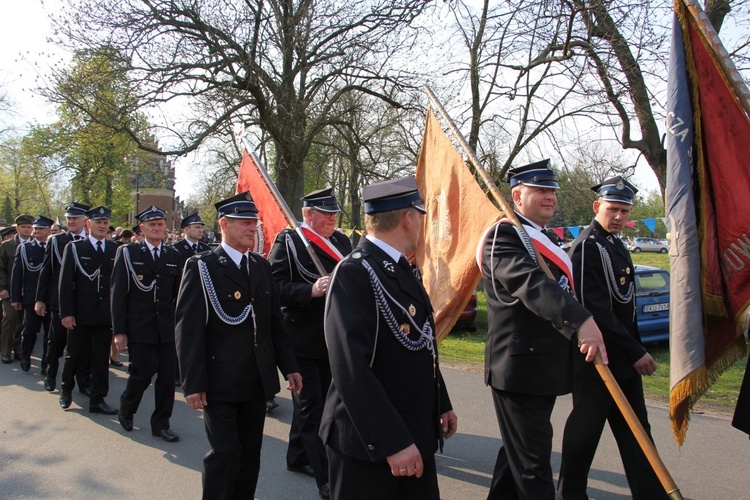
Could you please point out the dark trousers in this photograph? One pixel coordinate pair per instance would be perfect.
(235, 433)
(32, 323)
(305, 446)
(592, 407)
(82, 341)
(523, 469)
(147, 360)
(10, 335)
(58, 339)
(352, 478)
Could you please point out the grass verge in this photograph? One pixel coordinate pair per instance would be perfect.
(466, 350)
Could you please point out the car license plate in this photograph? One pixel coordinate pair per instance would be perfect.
(650, 308)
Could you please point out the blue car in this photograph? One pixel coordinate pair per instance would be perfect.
(652, 303)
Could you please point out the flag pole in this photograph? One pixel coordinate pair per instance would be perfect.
(622, 403)
(288, 215)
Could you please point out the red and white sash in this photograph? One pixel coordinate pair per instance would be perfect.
(541, 242)
(321, 242)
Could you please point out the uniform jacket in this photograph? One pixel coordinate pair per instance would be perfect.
(231, 362)
(384, 397)
(47, 289)
(24, 278)
(604, 276)
(531, 319)
(79, 296)
(741, 419)
(303, 315)
(145, 316)
(7, 256)
(186, 251)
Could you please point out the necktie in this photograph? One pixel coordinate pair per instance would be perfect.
(41, 244)
(243, 267)
(99, 248)
(404, 264)
(156, 254)
(194, 246)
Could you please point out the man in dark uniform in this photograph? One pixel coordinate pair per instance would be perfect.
(605, 282)
(387, 409)
(230, 340)
(531, 321)
(47, 297)
(26, 268)
(191, 244)
(145, 282)
(85, 310)
(302, 293)
(10, 336)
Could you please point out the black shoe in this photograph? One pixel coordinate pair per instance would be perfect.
(86, 391)
(271, 404)
(125, 421)
(102, 408)
(25, 365)
(49, 385)
(324, 491)
(7, 359)
(167, 435)
(115, 362)
(66, 398)
(304, 469)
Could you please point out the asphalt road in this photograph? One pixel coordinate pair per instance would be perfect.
(46, 452)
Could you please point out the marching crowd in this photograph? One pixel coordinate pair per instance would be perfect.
(350, 329)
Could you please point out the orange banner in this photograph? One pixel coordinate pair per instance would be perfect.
(458, 212)
(272, 219)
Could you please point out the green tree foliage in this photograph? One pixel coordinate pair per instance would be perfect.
(23, 180)
(88, 145)
(279, 64)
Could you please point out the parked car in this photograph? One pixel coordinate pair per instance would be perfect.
(468, 319)
(652, 303)
(647, 245)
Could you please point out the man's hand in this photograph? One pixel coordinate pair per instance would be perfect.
(590, 341)
(320, 287)
(407, 462)
(646, 365)
(196, 401)
(121, 342)
(4, 294)
(448, 423)
(40, 308)
(17, 305)
(295, 382)
(68, 322)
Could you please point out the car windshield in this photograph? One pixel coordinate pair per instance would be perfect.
(652, 283)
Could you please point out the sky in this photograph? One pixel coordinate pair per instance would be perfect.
(25, 56)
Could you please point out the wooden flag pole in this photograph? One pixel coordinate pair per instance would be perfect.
(288, 215)
(609, 380)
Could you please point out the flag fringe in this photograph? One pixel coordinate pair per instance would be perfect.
(686, 393)
(714, 305)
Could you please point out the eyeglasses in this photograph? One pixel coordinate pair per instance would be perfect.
(326, 214)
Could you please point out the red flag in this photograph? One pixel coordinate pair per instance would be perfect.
(272, 219)
(560, 232)
(458, 213)
(707, 186)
